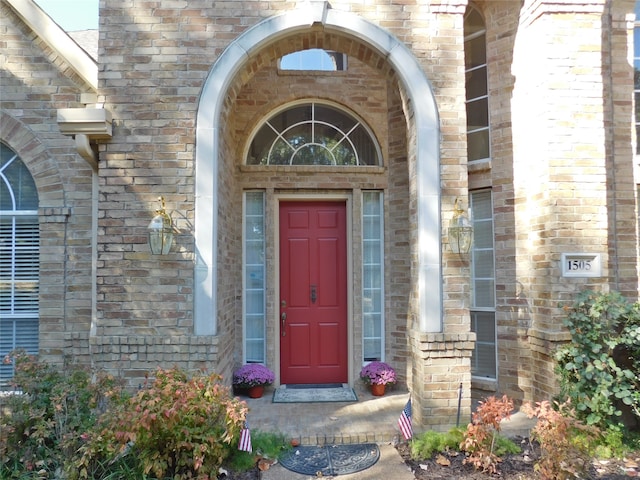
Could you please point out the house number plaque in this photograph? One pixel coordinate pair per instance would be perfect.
(581, 265)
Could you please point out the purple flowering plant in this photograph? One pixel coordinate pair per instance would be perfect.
(378, 373)
(253, 374)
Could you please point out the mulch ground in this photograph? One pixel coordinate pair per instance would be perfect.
(520, 466)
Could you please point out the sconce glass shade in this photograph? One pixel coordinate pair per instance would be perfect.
(460, 231)
(160, 232)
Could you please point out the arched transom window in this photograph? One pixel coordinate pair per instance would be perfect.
(313, 134)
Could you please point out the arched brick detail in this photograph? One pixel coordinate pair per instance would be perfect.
(53, 220)
(33, 153)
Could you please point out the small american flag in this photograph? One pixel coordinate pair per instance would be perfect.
(245, 439)
(405, 421)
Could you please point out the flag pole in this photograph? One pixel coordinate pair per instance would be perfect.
(405, 420)
(459, 405)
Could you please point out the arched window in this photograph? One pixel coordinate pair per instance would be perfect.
(477, 93)
(19, 259)
(313, 134)
(314, 59)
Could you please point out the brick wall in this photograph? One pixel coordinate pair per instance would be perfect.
(561, 176)
(35, 81)
(162, 57)
(562, 179)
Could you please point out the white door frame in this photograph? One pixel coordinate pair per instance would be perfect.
(302, 197)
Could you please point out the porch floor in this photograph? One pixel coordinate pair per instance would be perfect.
(370, 419)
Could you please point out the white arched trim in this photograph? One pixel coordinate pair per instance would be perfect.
(427, 137)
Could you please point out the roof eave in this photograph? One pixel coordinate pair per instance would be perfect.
(54, 36)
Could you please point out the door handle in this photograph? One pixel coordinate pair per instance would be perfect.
(314, 294)
(283, 319)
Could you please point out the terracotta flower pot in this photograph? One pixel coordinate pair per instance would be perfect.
(377, 390)
(256, 391)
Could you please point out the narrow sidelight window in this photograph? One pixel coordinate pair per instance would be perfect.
(254, 281)
(483, 310)
(372, 277)
(477, 92)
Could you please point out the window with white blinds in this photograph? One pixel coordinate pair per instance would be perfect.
(636, 74)
(19, 259)
(476, 86)
(372, 277)
(254, 267)
(483, 310)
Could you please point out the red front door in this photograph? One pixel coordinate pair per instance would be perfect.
(313, 292)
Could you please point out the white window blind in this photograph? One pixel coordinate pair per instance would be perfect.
(254, 278)
(19, 260)
(483, 315)
(636, 74)
(476, 86)
(372, 277)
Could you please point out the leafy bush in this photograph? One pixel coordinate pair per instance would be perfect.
(565, 442)
(505, 446)
(265, 445)
(599, 369)
(177, 427)
(42, 425)
(615, 442)
(430, 442)
(483, 432)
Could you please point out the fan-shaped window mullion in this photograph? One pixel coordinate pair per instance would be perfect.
(313, 131)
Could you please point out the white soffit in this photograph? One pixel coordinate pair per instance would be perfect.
(57, 39)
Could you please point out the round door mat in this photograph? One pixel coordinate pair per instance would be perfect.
(331, 459)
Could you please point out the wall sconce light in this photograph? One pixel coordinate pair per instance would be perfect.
(460, 231)
(161, 231)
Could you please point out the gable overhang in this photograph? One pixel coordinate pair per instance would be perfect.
(427, 150)
(56, 38)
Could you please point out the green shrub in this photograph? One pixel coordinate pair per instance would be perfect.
(176, 427)
(505, 446)
(615, 442)
(42, 426)
(265, 445)
(599, 369)
(430, 442)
